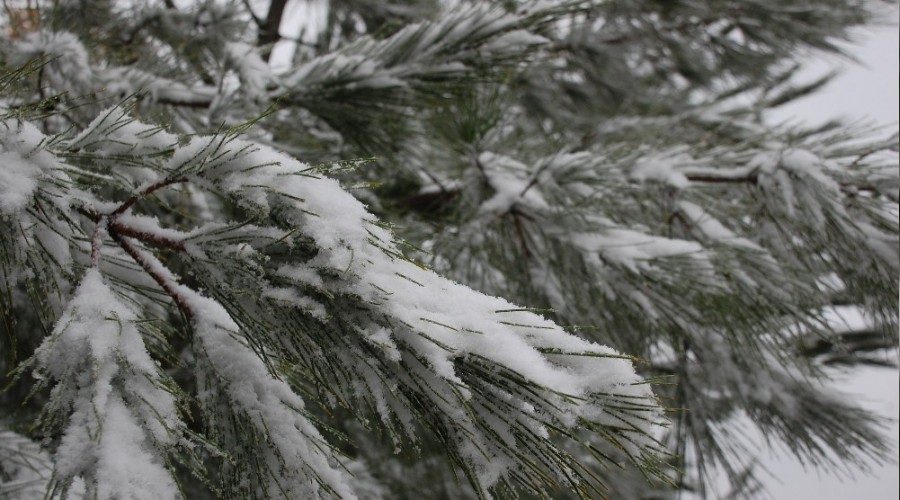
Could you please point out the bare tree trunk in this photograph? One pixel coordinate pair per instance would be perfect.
(268, 30)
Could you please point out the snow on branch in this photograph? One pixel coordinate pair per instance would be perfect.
(292, 458)
(116, 418)
(456, 44)
(432, 334)
(26, 165)
(494, 380)
(468, 40)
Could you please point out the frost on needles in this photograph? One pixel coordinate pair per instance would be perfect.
(611, 160)
(297, 293)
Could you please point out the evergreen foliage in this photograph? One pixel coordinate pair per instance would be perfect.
(225, 280)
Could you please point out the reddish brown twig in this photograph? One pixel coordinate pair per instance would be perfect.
(130, 202)
(155, 269)
(117, 226)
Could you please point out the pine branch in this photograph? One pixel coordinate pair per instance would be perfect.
(155, 270)
(608, 164)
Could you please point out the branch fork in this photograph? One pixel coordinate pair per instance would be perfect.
(123, 234)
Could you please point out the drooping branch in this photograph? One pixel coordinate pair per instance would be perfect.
(156, 270)
(853, 346)
(747, 176)
(159, 240)
(130, 202)
(113, 223)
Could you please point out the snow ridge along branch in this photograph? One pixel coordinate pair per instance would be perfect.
(305, 290)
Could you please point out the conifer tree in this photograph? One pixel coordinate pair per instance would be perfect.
(231, 273)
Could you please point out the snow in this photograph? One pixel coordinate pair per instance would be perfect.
(866, 90)
(511, 182)
(881, 243)
(293, 449)
(467, 33)
(428, 317)
(636, 250)
(150, 225)
(661, 167)
(255, 73)
(515, 41)
(55, 244)
(127, 467)
(806, 163)
(121, 415)
(711, 228)
(119, 423)
(733, 173)
(128, 81)
(68, 67)
(18, 180)
(290, 296)
(292, 443)
(113, 133)
(23, 164)
(69, 70)
(25, 469)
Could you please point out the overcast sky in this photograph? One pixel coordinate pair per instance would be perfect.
(866, 91)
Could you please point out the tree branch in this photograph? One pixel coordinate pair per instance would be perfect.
(268, 32)
(130, 202)
(156, 270)
(96, 241)
(145, 237)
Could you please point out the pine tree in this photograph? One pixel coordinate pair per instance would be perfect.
(222, 280)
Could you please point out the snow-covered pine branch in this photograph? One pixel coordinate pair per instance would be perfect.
(348, 88)
(610, 163)
(301, 290)
(112, 408)
(721, 247)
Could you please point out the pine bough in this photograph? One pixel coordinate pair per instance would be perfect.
(297, 295)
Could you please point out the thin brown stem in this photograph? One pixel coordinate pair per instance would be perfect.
(89, 213)
(130, 202)
(145, 237)
(112, 223)
(154, 270)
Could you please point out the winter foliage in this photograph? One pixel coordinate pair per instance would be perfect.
(226, 280)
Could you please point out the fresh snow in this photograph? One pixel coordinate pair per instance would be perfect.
(121, 415)
(662, 167)
(438, 320)
(511, 182)
(712, 228)
(123, 423)
(23, 161)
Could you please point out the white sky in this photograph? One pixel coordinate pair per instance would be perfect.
(869, 91)
(876, 389)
